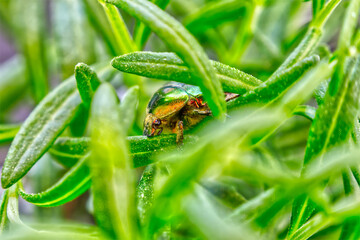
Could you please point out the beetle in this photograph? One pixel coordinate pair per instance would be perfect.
(175, 107)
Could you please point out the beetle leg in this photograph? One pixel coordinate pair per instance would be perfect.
(230, 96)
(179, 132)
(202, 112)
(160, 131)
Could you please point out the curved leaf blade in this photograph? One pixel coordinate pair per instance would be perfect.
(8, 132)
(216, 13)
(3, 207)
(168, 66)
(128, 107)
(119, 28)
(112, 177)
(142, 149)
(275, 87)
(87, 82)
(74, 183)
(141, 31)
(145, 192)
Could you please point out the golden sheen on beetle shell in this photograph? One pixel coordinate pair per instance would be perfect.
(175, 107)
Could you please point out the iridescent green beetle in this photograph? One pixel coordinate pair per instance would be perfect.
(176, 107)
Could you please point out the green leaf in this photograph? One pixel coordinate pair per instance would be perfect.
(305, 47)
(74, 40)
(226, 193)
(245, 33)
(332, 126)
(145, 193)
(113, 181)
(71, 147)
(79, 122)
(119, 28)
(310, 40)
(335, 118)
(183, 44)
(317, 6)
(40, 129)
(56, 231)
(351, 226)
(143, 150)
(288, 187)
(275, 87)
(30, 35)
(87, 82)
(141, 31)
(74, 183)
(200, 209)
(3, 207)
(101, 25)
(128, 107)
(168, 66)
(303, 89)
(215, 13)
(12, 82)
(321, 18)
(305, 111)
(347, 208)
(8, 132)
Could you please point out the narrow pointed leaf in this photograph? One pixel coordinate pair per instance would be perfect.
(79, 122)
(3, 207)
(305, 47)
(272, 89)
(74, 40)
(113, 182)
(305, 111)
(145, 192)
(311, 38)
(101, 25)
(351, 227)
(142, 149)
(119, 28)
(30, 29)
(317, 6)
(128, 107)
(74, 183)
(168, 66)
(87, 82)
(141, 31)
(216, 13)
(13, 82)
(8, 132)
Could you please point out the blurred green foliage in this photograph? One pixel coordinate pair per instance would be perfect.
(281, 161)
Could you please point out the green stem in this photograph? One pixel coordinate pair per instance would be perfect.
(119, 28)
(324, 14)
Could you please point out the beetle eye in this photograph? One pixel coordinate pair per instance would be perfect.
(157, 122)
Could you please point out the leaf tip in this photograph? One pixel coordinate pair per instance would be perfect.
(5, 181)
(114, 61)
(80, 66)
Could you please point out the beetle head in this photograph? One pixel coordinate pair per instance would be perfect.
(151, 124)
